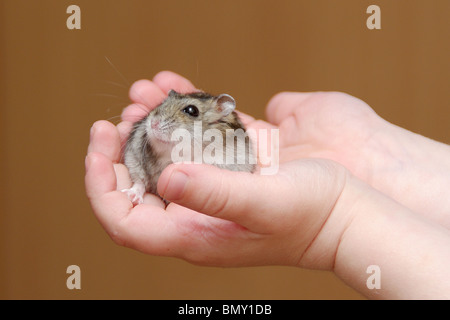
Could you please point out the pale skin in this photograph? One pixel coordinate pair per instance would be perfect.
(352, 191)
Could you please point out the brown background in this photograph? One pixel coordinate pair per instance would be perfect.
(56, 82)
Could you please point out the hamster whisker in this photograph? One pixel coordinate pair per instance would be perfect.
(164, 126)
(118, 72)
(114, 118)
(135, 119)
(108, 95)
(122, 152)
(116, 84)
(142, 108)
(127, 82)
(144, 147)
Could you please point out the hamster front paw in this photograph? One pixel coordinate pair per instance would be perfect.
(135, 193)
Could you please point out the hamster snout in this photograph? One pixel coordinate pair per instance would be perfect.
(148, 150)
(158, 129)
(155, 124)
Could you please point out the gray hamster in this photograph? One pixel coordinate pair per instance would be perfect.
(211, 127)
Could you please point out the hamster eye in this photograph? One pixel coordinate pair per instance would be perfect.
(191, 110)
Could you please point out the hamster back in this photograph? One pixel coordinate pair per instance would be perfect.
(195, 127)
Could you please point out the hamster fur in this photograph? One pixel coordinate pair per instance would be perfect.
(148, 150)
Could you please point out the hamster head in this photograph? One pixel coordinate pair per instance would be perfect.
(182, 111)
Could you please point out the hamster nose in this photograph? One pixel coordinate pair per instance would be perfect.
(155, 124)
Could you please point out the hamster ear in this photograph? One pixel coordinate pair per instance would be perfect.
(172, 93)
(225, 104)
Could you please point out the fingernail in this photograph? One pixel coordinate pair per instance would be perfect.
(176, 186)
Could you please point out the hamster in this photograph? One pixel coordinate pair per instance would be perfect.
(150, 146)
